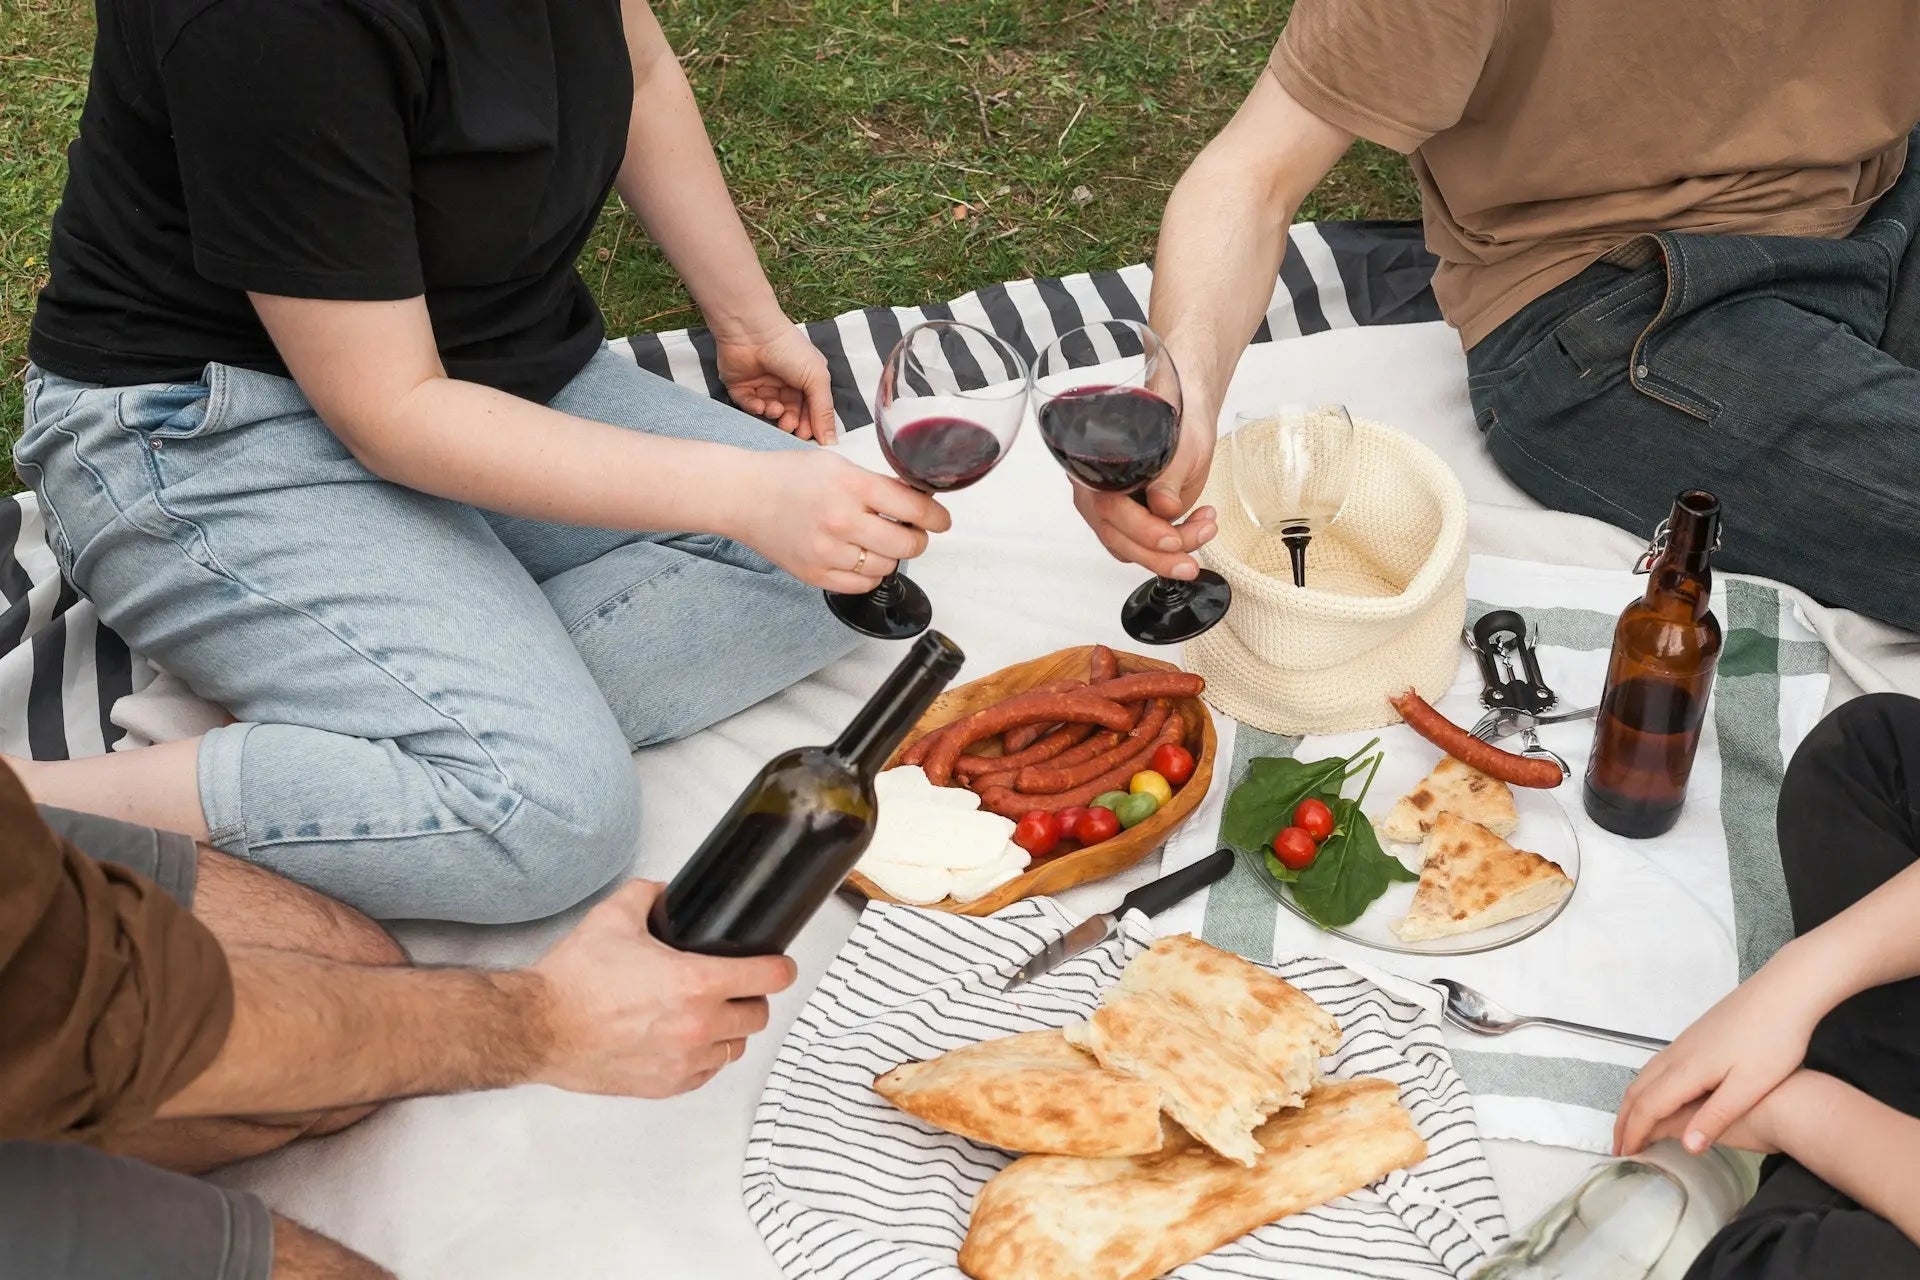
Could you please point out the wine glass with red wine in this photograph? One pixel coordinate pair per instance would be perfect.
(1107, 397)
(950, 403)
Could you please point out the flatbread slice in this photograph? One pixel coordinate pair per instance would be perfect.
(1055, 1218)
(1225, 1042)
(1472, 879)
(1456, 788)
(1029, 1092)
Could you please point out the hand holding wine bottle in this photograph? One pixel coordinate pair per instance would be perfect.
(625, 1014)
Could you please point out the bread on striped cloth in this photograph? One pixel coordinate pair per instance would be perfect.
(1029, 1092)
(1137, 1217)
(1225, 1042)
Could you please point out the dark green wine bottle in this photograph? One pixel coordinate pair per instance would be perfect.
(795, 833)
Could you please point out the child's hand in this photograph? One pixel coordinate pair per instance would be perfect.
(1724, 1064)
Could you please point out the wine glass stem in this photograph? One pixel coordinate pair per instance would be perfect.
(883, 594)
(1169, 593)
(1296, 536)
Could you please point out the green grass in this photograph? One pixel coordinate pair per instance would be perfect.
(880, 150)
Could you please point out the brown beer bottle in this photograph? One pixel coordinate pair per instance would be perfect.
(1655, 704)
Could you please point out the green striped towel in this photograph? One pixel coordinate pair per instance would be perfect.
(1657, 930)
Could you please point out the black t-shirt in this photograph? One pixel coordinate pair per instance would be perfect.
(344, 149)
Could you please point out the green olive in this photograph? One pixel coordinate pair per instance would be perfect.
(1136, 809)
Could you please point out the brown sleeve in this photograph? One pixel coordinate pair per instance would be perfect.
(1394, 72)
(112, 996)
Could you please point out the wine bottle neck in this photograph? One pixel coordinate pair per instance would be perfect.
(880, 726)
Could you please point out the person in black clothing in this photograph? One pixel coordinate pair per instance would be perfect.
(1816, 1058)
(322, 419)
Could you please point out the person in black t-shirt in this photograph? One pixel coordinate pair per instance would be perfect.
(322, 419)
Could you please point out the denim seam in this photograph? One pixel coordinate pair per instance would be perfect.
(1520, 444)
(1675, 269)
(584, 622)
(80, 457)
(57, 540)
(1518, 365)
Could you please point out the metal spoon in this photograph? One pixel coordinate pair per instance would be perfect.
(1469, 1009)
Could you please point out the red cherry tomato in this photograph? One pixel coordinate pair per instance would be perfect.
(1069, 820)
(1172, 761)
(1037, 833)
(1295, 849)
(1314, 818)
(1095, 825)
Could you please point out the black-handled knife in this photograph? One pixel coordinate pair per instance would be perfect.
(1148, 899)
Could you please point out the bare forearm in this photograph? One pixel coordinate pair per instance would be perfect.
(1870, 944)
(1863, 1147)
(1220, 248)
(313, 1035)
(493, 450)
(1225, 231)
(673, 184)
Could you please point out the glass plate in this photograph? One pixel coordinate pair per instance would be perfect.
(1543, 828)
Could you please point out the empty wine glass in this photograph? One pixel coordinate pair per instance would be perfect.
(1292, 470)
(1115, 428)
(950, 403)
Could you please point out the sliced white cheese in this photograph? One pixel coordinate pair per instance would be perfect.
(920, 885)
(934, 842)
(917, 834)
(902, 781)
(968, 885)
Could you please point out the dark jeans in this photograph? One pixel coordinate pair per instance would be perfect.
(1849, 822)
(1781, 373)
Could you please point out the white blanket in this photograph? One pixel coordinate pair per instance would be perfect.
(533, 1182)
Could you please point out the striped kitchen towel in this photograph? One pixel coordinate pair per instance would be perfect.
(845, 1187)
(61, 671)
(1656, 930)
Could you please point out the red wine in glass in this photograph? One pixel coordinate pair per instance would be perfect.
(1118, 436)
(950, 404)
(939, 455)
(1116, 439)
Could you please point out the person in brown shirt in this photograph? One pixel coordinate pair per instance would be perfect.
(141, 1040)
(1674, 240)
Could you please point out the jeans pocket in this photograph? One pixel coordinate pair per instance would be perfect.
(178, 410)
(1598, 339)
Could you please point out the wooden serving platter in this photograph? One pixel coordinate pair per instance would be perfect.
(1095, 861)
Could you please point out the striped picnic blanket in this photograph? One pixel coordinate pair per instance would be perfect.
(61, 672)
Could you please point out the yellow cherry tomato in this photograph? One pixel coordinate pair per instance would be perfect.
(1147, 782)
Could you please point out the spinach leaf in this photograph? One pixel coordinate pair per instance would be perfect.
(1279, 870)
(1264, 801)
(1351, 871)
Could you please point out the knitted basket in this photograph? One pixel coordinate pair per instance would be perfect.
(1382, 611)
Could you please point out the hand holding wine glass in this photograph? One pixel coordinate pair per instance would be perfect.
(950, 403)
(1292, 470)
(1116, 429)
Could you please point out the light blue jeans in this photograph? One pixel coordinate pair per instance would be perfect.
(436, 704)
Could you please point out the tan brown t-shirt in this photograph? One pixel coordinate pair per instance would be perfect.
(113, 998)
(1546, 132)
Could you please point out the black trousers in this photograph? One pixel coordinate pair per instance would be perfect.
(1849, 822)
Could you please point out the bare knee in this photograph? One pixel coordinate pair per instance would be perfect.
(249, 906)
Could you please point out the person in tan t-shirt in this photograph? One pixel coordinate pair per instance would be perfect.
(141, 1041)
(1675, 242)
